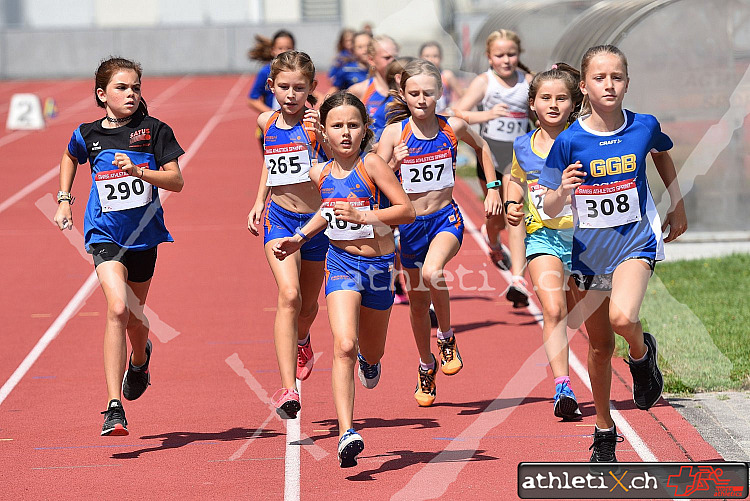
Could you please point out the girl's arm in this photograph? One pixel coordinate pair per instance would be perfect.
(555, 200)
(676, 218)
(358, 89)
(258, 105)
(473, 96)
(516, 190)
(493, 202)
(401, 210)
(168, 177)
(68, 167)
(453, 84)
(388, 148)
(254, 217)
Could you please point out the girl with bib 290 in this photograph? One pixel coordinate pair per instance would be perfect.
(600, 161)
(423, 145)
(361, 200)
(291, 147)
(132, 155)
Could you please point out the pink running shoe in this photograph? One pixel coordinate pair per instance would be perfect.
(287, 403)
(305, 361)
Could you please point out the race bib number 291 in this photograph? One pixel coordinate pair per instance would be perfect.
(118, 190)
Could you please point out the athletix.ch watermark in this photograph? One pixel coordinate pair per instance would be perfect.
(633, 480)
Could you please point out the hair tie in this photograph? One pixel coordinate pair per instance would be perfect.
(554, 67)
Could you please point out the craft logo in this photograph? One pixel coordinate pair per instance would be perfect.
(632, 480)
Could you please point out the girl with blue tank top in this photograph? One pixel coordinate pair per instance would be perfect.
(555, 97)
(422, 145)
(292, 146)
(600, 162)
(361, 200)
(132, 156)
(374, 92)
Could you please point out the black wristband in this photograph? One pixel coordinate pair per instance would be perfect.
(507, 203)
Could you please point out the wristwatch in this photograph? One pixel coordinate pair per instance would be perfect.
(65, 196)
(507, 203)
(494, 184)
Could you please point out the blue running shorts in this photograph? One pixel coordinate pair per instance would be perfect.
(546, 241)
(372, 277)
(279, 223)
(416, 237)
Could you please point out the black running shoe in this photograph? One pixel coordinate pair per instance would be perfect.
(604, 445)
(647, 379)
(115, 423)
(350, 445)
(136, 381)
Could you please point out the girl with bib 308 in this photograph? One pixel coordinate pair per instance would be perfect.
(131, 155)
(361, 200)
(291, 147)
(424, 146)
(600, 162)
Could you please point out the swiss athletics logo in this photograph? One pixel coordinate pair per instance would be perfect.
(140, 136)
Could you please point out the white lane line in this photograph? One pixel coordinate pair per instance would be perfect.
(292, 455)
(433, 479)
(52, 173)
(91, 282)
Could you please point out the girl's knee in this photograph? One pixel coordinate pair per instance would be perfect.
(432, 275)
(555, 312)
(290, 298)
(309, 311)
(118, 311)
(621, 323)
(345, 348)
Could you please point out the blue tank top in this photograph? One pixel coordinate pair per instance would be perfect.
(356, 188)
(288, 153)
(376, 103)
(431, 162)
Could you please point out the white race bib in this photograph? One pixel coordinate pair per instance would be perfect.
(536, 194)
(428, 172)
(287, 164)
(607, 205)
(507, 128)
(338, 229)
(118, 190)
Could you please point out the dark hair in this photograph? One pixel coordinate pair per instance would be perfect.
(107, 69)
(586, 60)
(569, 76)
(431, 43)
(293, 60)
(344, 98)
(397, 109)
(342, 37)
(263, 46)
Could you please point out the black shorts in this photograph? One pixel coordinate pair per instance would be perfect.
(604, 282)
(140, 264)
(502, 152)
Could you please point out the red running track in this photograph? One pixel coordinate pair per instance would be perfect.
(204, 428)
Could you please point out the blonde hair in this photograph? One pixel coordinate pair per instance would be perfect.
(590, 54)
(507, 35)
(379, 39)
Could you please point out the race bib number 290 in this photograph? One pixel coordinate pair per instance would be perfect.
(118, 190)
(607, 205)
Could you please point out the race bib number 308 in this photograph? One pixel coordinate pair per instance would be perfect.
(431, 171)
(607, 205)
(120, 191)
(287, 164)
(339, 229)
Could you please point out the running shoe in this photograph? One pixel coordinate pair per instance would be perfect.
(350, 445)
(498, 255)
(566, 405)
(287, 403)
(433, 316)
(399, 296)
(604, 445)
(369, 375)
(137, 380)
(425, 392)
(450, 358)
(647, 379)
(115, 424)
(305, 360)
(517, 293)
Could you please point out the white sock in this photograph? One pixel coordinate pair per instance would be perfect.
(445, 335)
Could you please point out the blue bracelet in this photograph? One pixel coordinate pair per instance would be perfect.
(298, 231)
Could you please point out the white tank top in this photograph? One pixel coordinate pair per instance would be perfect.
(516, 99)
